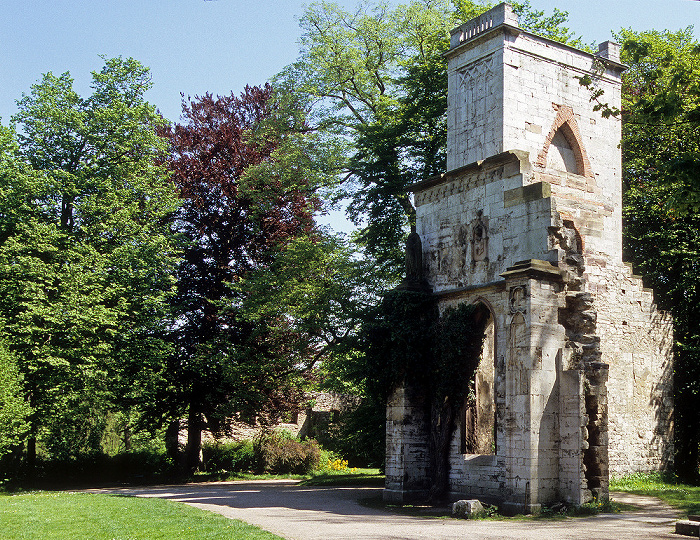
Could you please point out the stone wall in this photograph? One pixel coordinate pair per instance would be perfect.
(322, 410)
(527, 221)
(407, 439)
(637, 343)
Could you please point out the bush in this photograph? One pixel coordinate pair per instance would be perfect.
(280, 453)
(14, 409)
(359, 435)
(134, 467)
(237, 456)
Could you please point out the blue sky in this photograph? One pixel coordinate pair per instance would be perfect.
(197, 46)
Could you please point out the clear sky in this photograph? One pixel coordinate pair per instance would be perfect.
(219, 46)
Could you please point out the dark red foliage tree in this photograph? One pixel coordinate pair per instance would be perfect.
(236, 214)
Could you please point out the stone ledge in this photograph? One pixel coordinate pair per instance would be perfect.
(533, 268)
(525, 194)
(510, 508)
(688, 528)
(500, 284)
(518, 158)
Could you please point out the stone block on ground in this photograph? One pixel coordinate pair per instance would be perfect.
(466, 508)
(688, 528)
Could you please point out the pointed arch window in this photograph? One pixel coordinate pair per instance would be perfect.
(478, 419)
(563, 148)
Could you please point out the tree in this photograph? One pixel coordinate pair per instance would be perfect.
(349, 65)
(14, 409)
(86, 252)
(662, 110)
(247, 170)
(318, 289)
(661, 152)
(380, 83)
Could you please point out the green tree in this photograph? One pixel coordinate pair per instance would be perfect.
(661, 111)
(86, 255)
(379, 81)
(14, 409)
(248, 170)
(317, 288)
(661, 156)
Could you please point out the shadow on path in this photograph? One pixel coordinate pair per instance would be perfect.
(327, 513)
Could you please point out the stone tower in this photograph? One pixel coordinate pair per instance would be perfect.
(575, 377)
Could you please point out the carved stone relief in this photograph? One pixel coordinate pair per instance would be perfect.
(517, 354)
(480, 238)
(518, 299)
(477, 86)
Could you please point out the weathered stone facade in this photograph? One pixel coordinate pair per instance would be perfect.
(575, 379)
(323, 409)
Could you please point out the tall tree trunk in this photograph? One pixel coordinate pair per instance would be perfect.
(172, 442)
(31, 457)
(194, 438)
(126, 436)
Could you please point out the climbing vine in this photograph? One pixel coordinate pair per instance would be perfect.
(410, 343)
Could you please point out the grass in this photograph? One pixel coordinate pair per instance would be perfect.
(78, 516)
(346, 477)
(664, 486)
(324, 477)
(226, 476)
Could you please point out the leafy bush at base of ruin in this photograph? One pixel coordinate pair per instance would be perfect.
(272, 453)
(134, 467)
(280, 453)
(228, 456)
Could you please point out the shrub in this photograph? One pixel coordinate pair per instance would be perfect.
(145, 465)
(235, 456)
(14, 409)
(280, 453)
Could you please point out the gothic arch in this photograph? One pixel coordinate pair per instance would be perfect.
(565, 126)
(478, 420)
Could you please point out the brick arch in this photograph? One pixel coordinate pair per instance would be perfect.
(565, 123)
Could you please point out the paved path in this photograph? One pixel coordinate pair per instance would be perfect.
(329, 513)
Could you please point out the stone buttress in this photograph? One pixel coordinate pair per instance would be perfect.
(575, 378)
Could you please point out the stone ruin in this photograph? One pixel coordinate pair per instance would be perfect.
(574, 382)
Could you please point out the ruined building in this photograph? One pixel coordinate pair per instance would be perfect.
(575, 378)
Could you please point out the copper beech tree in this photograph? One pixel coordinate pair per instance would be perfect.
(242, 201)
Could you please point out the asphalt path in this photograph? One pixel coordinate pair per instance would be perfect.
(327, 513)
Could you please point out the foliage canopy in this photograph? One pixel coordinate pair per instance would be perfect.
(86, 254)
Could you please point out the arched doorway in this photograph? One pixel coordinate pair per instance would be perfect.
(479, 414)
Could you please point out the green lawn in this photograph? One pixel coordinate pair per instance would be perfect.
(78, 516)
(684, 497)
(346, 477)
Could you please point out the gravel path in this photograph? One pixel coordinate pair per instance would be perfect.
(327, 513)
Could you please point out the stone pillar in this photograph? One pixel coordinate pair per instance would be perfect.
(572, 430)
(407, 439)
(532, 385)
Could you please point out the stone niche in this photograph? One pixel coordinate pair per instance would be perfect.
(575, 378)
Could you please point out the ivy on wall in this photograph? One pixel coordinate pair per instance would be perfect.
(410, 343)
